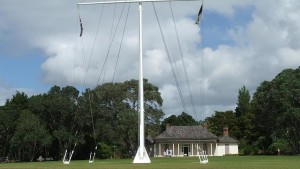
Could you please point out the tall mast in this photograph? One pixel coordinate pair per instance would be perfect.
(141, 155)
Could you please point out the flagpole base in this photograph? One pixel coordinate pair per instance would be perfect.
(141, 157)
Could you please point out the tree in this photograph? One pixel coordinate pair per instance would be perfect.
(264, 120)
(115, 113)
(171, 120)
(219, 120)
(30, 136)
(243, 104)
(59, 111)
(7, 125)
(290, 122)
(273, 103)
(64, 118)
(244, 116)
(183, 119)
(186, 119)
(9, 114)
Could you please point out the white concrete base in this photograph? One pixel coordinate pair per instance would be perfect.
(141, 159)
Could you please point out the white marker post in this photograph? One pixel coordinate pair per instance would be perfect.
(141, 155)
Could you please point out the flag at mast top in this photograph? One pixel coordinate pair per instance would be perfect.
(127, 1)
(81, 28)
(200, 14)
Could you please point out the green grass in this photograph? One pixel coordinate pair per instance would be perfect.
(229, 162)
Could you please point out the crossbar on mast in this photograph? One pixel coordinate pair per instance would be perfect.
(128, 1)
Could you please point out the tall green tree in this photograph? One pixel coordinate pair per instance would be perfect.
(114, 108)
(290, 122)
(30, 137)
(9, 114)
(244, 115)
(243, 103)
(7, 126)
(272, 103)
(219, 120)
(58, 109)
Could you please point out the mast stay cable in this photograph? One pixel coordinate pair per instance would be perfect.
(87, 66)
(93, 151)
(67, 157)
(110, 41)
(183, 63)
(203, 64)
(170, 61)
(110, 45)
(120, 47)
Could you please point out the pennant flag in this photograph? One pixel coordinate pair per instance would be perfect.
(81, 28)
(199, 15)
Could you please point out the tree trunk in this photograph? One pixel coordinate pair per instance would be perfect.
(34, 150)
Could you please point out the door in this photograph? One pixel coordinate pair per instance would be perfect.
(226, 148)
(186, 151)
(205, 148)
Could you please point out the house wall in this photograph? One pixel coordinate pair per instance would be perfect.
(221, 149)
(177, 149)
(234, 148)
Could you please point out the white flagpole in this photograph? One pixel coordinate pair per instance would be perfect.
(141, 155)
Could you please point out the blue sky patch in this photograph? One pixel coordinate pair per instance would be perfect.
(215, 26)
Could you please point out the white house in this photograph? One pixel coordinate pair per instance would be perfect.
(179, 141)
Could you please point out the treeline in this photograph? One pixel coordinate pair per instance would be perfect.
(269, 123)
(47, 124)
(107, 117)
(263, 124)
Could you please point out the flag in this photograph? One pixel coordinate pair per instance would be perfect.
(81, 28)
(199, 15)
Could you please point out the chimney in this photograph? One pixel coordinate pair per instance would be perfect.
(168, 126)
(205, 126)
(225, 131)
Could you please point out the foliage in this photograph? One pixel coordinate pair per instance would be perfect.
(30, 136)
(104, 151)
(49, 123)
(290, 122)
(219, 120)
(115, 113)
(59, 111)
(183, 119)
(269, 121)
(276, 105)
(243, 104)
(280, 145)
(8, 122)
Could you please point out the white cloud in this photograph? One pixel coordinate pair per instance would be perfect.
(7, 91)
(268, 43)
(228, 7)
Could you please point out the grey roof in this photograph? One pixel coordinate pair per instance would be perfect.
(227, 139)
(186, 133)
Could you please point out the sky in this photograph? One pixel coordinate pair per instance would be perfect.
(237, 43)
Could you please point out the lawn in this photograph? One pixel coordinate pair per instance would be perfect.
(230, 162)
